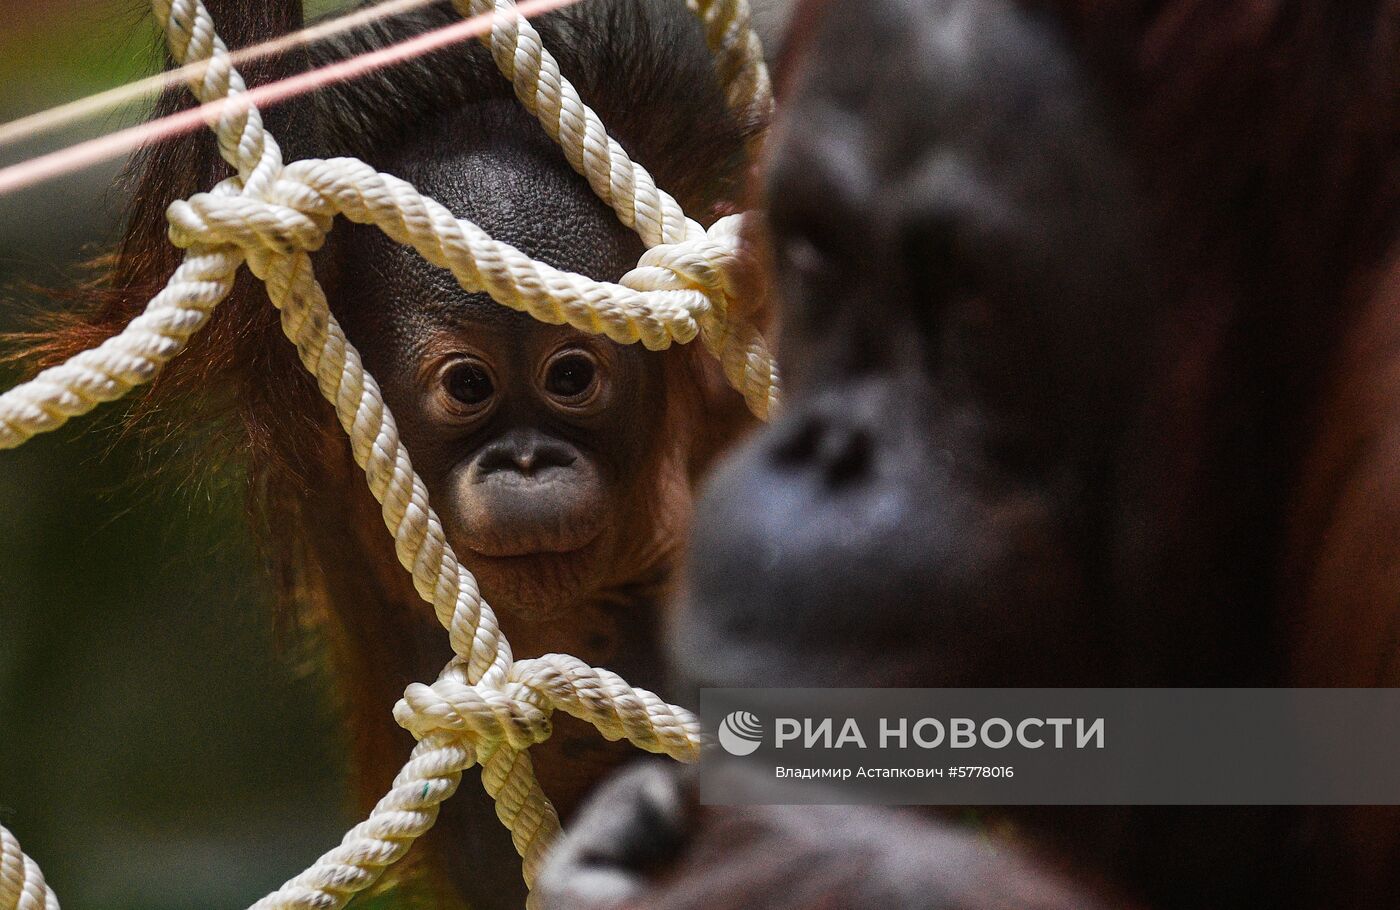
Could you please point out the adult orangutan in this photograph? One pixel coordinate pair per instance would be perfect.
(562, 464)
(1090, 317)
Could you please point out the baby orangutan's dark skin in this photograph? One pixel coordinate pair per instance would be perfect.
(532, 438)
(561, 464)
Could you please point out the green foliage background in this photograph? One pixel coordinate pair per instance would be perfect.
(159, 749)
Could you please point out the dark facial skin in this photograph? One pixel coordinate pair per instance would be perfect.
(545, 450)
(561, 465)
(964, 302)
(987, 473)
(527, 435)
(965, 295)
(975, 345)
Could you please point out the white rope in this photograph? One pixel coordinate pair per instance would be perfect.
(628, 187)
(22, 885)
(738, 56)
(485, 707)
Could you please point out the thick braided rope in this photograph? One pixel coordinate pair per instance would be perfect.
(615, 178)
(482, 696)
(314, 189)
(134, 356)
(202, 281)
(628, 188)
(248, 209)
(484, 656)
(676, 292)
(709, 265)
(738, 56)
(22, 885)
(484, 707)
(124, 361)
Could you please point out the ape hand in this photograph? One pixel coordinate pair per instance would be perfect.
(643, 841)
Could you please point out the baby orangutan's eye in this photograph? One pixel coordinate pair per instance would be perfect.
(571, 376)
(469, 382)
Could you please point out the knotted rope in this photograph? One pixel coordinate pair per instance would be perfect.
(485, 708)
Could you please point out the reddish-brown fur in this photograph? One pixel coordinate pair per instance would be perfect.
(1266, 138)
(241, 384)
(1271, 134)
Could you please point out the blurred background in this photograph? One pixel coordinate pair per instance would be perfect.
(159, 747)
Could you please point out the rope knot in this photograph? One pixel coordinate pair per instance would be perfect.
(720, 268)
(485, 707)
(708, 264)
(287, 219)
(516, 714)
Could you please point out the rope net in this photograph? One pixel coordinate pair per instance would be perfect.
(485, 708)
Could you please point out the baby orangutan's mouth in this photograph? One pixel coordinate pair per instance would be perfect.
(533, 539)
(507, 515)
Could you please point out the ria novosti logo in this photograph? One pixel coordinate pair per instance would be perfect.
(740, 733)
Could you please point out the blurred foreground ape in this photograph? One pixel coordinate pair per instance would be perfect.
(1091, 337)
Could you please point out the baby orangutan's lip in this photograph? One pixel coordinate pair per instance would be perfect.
(537, 543)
